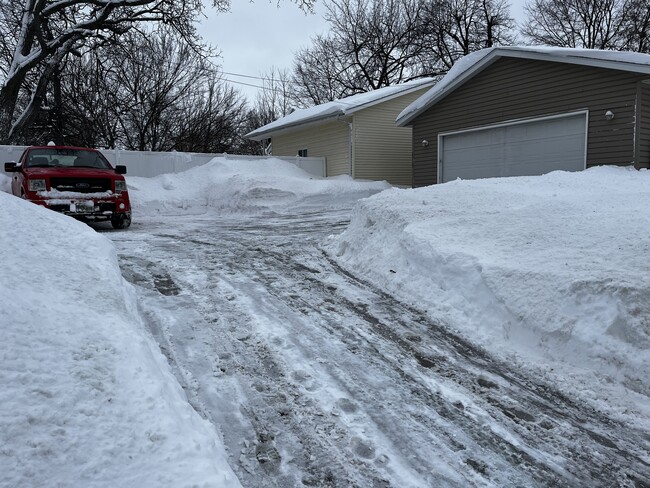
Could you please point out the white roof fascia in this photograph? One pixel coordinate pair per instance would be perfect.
(539, 54)
(575, 58)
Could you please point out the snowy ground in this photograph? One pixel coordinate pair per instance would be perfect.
(487, 333)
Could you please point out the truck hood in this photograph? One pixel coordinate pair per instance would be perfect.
(73, 172)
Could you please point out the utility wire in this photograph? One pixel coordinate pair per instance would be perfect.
(255, 86)
(265, 78)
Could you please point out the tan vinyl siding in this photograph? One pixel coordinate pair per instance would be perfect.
(383, 151)
(519, 88)
(644, 126)
(329, 140)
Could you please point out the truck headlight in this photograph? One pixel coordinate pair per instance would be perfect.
(36, 185)
(120, 186)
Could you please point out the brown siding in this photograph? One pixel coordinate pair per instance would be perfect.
(518, 88)
(643, 160)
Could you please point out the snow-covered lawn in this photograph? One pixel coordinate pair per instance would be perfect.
(550, 272)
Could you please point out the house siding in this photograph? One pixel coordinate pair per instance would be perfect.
(513, 89)
(383, 151)
(329, 140)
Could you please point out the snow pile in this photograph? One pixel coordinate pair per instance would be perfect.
(86, 397)
(243, 186)
(5, 183)
(551, 269)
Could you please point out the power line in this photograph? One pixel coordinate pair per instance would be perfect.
(255, 86)
(242, 83)
(259, 78)
(243, 76)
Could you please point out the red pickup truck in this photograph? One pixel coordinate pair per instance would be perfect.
(75, 181)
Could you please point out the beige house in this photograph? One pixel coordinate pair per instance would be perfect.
(356, 135)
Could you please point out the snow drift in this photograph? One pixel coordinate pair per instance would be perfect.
(87, 398)
(551, 269)
(243, 186)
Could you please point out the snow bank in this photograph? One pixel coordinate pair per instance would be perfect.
(86, 397)
(243, 186)
(552, 269)
(5, 183)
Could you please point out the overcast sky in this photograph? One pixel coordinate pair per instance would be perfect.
(255, 36)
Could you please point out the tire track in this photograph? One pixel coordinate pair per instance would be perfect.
(339, 384)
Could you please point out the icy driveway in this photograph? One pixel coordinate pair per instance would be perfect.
(318, 379)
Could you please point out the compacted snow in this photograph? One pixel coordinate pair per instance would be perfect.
(477, 333)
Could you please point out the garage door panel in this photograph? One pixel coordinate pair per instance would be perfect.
(521, 149)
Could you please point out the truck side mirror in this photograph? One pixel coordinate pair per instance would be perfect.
(11, 167)
(120, 169)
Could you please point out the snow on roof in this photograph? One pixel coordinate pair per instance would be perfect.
(473, 63)
(337, 108)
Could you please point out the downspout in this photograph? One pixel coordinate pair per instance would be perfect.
(341, 118)
(350, 147)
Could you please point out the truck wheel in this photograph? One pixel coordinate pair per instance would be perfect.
(121, 221)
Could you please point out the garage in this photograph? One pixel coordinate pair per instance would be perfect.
(529, 110)
(518, 148)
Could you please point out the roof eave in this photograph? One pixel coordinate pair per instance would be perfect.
(258, 135)
(390, 97)
(498, 53)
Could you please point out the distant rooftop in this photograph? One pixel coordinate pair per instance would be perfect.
(338, 108)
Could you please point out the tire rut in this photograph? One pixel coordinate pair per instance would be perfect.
(492, 423)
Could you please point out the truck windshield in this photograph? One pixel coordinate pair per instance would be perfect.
(65, 158)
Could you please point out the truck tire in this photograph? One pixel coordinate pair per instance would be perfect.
(121, 221)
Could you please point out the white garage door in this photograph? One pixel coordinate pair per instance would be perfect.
(517, 149)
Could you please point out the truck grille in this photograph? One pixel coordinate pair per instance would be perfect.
(81, 185)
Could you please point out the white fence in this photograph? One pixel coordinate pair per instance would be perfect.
(150, 163)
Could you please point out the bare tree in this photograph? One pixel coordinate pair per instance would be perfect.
(152, 92)
(371, 44)
(377, 43)
(635, 26)
(322, 74)
(212, 119)
(156, 72)
(588, 24)
(38, 35)
(90, 113)
(455, 28)
(275, 99)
